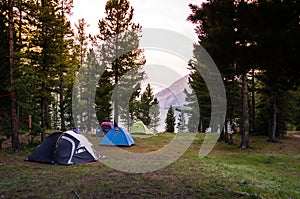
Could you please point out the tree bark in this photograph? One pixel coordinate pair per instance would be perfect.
(61, 105)
(43, 87)
(245, 131)
(222, 135)
(272, 134)
(14, 116)
(89, 115)
(116, 100)
(226, 132)
(200, 127)
(253, 101)
(230, 139)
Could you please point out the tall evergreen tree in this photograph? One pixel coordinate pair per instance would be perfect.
(128, 90)
(278, 46)
(181, 124)
(67, 60)
(5, 125)
(129, 105)
(224, 31)
(49, 62)
(13, 106)
(170, 120)
(293, 98)
(203, 97)
(192, 111)
(87, 81)
(103, 98)
(81, 39)
(121, 38)
(154, 115)
(147, 101)
(242, 36)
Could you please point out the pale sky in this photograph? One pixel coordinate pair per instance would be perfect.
(165, 14)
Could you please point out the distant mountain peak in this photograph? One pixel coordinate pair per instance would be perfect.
(174, 95)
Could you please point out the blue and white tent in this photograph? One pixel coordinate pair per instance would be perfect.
(117, 136)
(64, 148)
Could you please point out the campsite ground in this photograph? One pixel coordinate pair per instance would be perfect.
(267, 170)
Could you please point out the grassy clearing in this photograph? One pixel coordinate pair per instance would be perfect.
(266, 170)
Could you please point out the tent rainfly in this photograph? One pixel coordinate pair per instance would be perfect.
(64, 148)
(140, 128)
(106, 126)
(117, 136)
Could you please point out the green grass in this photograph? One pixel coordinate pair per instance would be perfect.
(267, 170)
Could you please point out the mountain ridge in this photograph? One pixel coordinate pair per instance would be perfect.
(174, 95)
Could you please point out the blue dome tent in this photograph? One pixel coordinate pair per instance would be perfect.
(117, 136)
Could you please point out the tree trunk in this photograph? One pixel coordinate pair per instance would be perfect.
(245, 131)
(230, 139)
(14, 116)
(253, 101)
(226, 132)
(200, 127)
(41, 123)
(229, 131)
(116, 101)
(43, 86)
(222, 134)
(81, 115)
(272, 135)
(89, 117)
(42, 114)
(61, 105)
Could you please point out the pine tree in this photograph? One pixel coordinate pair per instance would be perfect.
(181, 124)
(225, 32)
(240, 37)
(203, 97)
(49, 63)
(280, 26)
(128, 91)
(13, 104)
(192, 111)
(103, 98)
(25, 87)
(121, 37)
(5, 124)
(86, 87)
(147, 100)
(81, 40)
(67, 63)
(154, 115)
(170, 120)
